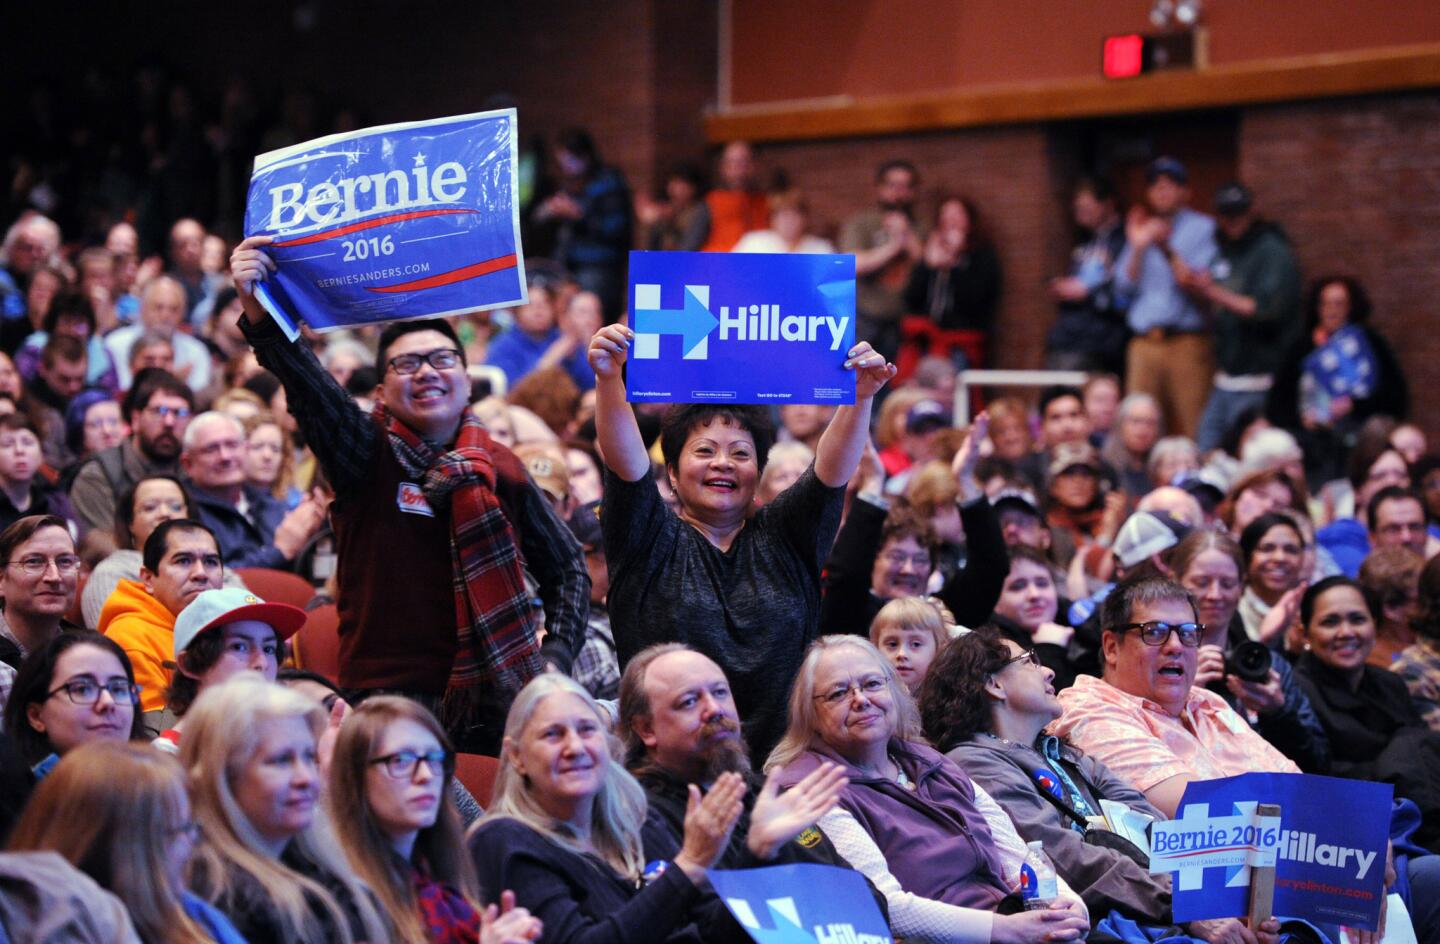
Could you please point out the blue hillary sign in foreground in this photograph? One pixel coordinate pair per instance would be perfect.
(741, 328)
(401, 221)
(802, 904)
(1329, 847)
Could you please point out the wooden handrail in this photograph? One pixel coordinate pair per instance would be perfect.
(1274, 80)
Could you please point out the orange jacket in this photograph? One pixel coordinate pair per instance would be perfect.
(145, 629)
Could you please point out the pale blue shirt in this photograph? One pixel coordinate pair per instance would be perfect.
(1158, 300)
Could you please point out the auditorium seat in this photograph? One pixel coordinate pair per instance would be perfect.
(317, 645)
(276, 586)
(477, 772)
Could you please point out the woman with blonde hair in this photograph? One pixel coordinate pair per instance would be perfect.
(390, 799)
(563, 829)
(268, 463)
(267, 857)
(945, 856)
(119, 812)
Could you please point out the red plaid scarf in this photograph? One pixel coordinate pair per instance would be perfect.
(496, 623)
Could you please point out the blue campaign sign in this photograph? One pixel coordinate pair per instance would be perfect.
(741, 328)
(401, 221)
(802, 904)
(1330, 869)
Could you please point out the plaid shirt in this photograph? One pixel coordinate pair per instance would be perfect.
(347, 445)
(597, 667)
(1419, 666)
(447, 916)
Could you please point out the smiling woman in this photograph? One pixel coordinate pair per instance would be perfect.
(739, 584)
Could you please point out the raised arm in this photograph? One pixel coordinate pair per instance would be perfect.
(838, 454)
(616, 433)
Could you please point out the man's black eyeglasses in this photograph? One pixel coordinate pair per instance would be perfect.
(441, 359)
(1155, 632)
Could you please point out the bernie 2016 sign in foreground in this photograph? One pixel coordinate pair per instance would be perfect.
(401, 221)
(1329, 869)
(741, 328)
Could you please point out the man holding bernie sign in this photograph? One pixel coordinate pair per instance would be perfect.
(401, 221)
(1329, 869)
(438, 526)
(741, 328)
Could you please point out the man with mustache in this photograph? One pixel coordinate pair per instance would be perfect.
(158, 409)
(679, 724)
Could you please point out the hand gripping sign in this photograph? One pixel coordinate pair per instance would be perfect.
(411, 220)
(741, 328)
(1329, 868)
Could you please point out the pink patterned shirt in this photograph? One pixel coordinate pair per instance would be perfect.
(1147, 745)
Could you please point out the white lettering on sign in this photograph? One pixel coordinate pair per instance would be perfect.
(764, 323)
(412, 501)
(350, 198)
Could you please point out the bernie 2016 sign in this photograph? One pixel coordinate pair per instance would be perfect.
(401, 221)
(741, 328)
(1329, 869)
(803, 903)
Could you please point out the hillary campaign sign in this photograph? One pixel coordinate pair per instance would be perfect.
(802, 904)
(741, 328)
(400, 221)
(1329, 868)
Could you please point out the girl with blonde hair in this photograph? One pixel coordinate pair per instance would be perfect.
(563, 830)
(120, 813)
(267, 858)
(910, 632)
(390, 798)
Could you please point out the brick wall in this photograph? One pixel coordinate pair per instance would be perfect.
(1356, 183)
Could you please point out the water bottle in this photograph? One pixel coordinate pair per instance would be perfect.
(1038, 884)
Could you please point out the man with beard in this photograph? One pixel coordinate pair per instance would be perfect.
(681, 732)
(158, 409)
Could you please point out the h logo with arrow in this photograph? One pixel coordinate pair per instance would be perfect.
(693, 321)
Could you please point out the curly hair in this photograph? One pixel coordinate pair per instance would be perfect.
(682, 419)
(953, 703)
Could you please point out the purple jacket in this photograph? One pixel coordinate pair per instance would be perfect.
(935, 841)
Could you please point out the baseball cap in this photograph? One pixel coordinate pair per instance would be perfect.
(925, 416)
(231, 605)
(1146, 533)
(1167, 166)
(1232, 199)
(1017, 498)
(1070, 455)
(1208, 480)
(552, 477)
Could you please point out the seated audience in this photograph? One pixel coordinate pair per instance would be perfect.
(1171, 458)
(1373, 469)
(909, 632)
(121, 814)
(1137, 431)
(269, 463)
(1375, 731)
(1258, 493)
(1391, 575)
(94, 422)
(789, 229)
(220, 634)
(783, 467)
(181, 560)
(986, 706)
(679, 725)
(1419, 663)
(1210, 565)
(266, 858)
(76, 688)
(947, 878)
(37, 585)
(1010, 435)
(1081, 514)
(564, 828)
(390, 799)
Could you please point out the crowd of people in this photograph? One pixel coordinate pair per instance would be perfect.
(714, 635)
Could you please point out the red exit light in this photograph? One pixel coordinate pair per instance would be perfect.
(1124, 56)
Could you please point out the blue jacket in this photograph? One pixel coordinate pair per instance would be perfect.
(244, 541)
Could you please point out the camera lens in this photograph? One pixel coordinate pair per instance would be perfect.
(1249, 660)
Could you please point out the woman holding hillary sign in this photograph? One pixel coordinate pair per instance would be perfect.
(739, 584)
